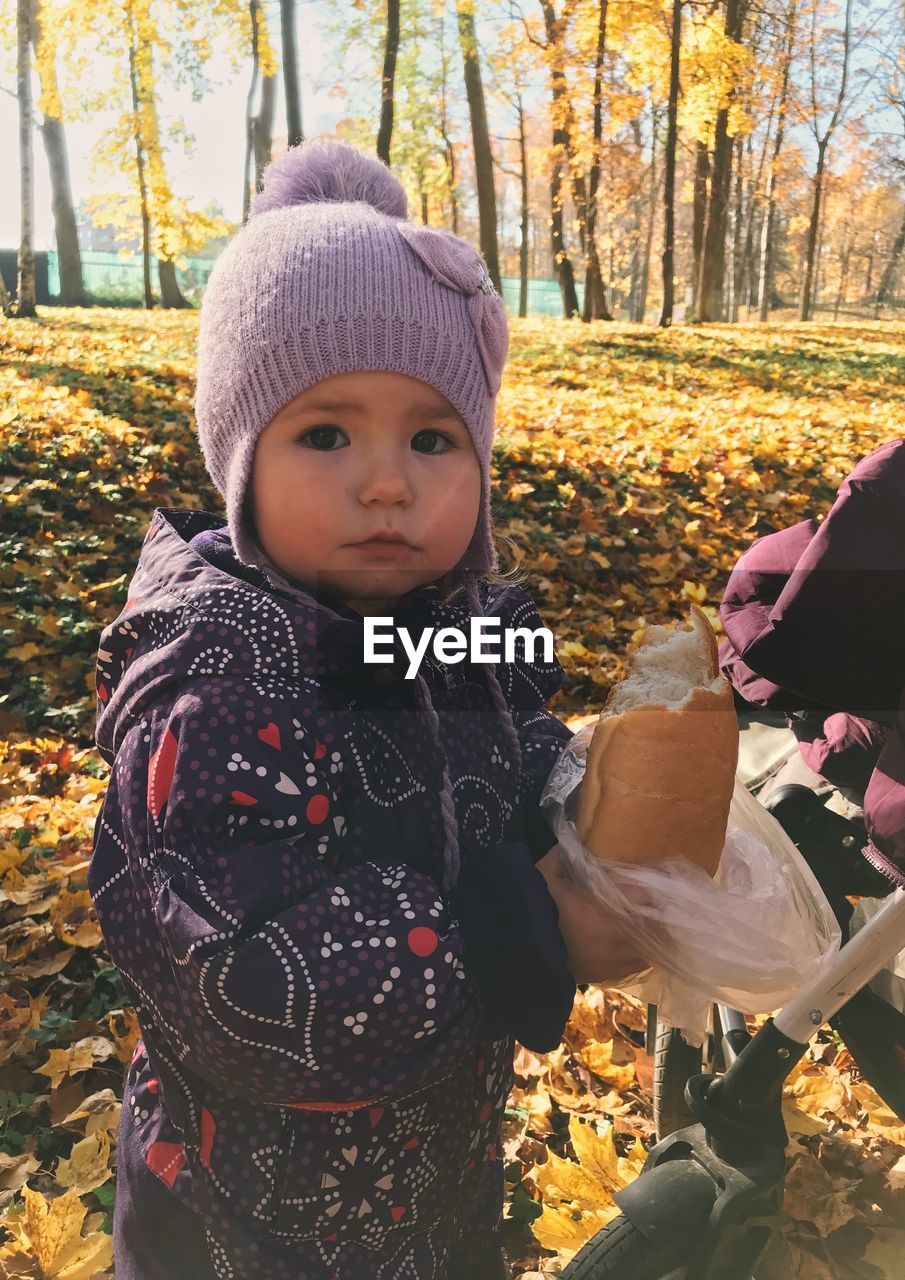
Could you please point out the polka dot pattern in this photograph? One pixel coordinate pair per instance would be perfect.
(265, 872)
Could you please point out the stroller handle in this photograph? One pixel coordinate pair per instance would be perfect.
(854, 965)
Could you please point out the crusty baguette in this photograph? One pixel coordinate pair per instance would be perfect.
(661, 763)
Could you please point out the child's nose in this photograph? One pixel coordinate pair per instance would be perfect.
(385, 484)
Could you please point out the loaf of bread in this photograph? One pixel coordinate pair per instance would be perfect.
(661, 763)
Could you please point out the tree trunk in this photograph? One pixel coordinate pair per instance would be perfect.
(480, 134)
(561, 261)
(25, 285)
(448, 149)
(595, 307)
(767, 230)
(254, 9)
(140, 161)
(263, 134)
(258, 128)
(636, 204)
(391, 50)
(669, 186)
(291, 74)
(810, 251)
(807, 285)
(713, 258)
(735, 280)
(72, 285)
(651, 216)
(819, 256)
(843, 274)
(170, 293)
(887, 280)
(699, 217)
(525, 212)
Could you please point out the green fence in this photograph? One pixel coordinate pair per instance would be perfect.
(116, 278)
(544, 296)
(112, 277)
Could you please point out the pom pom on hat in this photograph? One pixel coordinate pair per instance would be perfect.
(330, 171)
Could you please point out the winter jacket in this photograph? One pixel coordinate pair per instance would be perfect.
(327, 1036)
(814, 617)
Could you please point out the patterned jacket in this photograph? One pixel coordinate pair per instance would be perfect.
(327, 1036)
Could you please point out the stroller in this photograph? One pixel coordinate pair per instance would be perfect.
(705, 1204)
(814, 617)
(828, 828)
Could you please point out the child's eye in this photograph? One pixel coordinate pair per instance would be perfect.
(321, 439)
(315, 436)
(433, 435)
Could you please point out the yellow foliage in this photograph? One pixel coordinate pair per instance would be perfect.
(50, 1231)
(78, 1057)
(88, 1166)
(577, 1197)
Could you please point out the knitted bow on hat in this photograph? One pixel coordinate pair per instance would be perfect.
(454, 263)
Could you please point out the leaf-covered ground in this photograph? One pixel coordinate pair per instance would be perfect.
(632, 467)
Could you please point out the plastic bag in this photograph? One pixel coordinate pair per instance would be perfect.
(889, 982)
(752, 938)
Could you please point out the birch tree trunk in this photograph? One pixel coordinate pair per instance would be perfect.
(25, 284)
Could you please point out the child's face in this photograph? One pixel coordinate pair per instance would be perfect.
(356, 454)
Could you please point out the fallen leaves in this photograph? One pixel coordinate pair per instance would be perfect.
(80, 1056)
(50, 1232)
(88, 1167)
(630, 476)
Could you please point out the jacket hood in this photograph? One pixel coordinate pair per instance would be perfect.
(178, 624)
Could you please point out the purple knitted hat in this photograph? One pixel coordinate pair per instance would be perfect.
(328, 276)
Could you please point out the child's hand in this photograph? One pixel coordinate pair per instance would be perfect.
(599, 951)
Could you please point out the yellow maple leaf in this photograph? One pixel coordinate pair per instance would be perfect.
(100, 1111)
(50, 1231)
(815, 1093)
(559, 1228)
(73, 920)
(578, 1197)
(78, 1057)
(599, 1057)
(25, 652)
(88, 1165)
(881, 1120)
(696, 590)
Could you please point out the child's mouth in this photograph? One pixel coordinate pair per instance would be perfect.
(378, 547)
